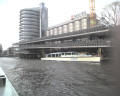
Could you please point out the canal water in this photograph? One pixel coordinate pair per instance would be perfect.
(56, 78)
(8, 89)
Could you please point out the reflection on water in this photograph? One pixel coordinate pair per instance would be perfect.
(8, 89)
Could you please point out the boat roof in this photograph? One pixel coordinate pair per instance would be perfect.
(62, 52)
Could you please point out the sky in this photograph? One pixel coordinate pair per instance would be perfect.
(58, 11)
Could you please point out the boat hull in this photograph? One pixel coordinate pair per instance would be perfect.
(87, 59)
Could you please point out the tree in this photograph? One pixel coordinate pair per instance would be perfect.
(111, 14)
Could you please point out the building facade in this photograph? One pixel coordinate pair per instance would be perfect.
(89, 40)
(79, 23)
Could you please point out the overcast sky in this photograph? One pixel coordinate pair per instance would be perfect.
(58, 11)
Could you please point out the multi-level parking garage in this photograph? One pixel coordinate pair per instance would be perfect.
(73, 35)
(86, 40)
(29, 24)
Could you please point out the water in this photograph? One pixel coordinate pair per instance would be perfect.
(53, 78)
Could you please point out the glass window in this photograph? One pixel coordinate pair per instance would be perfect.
(84, 23)
(60, 30)
(77, 25)
(51, 32)
(48, 33)
(70, 27)
(55, 31)
(65, 29)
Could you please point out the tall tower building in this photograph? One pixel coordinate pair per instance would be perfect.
(43, 19)
(33, 23)
(29, 24)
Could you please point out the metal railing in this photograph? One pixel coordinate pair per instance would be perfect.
(70, 44)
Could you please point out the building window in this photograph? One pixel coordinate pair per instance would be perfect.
(55, 31)
(60, 30)
(65, 29)
(51, 32)
(70, 27)
(48, 33)
(77, 25)
(84, 23)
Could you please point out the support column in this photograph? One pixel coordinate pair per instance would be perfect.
(43, 53)
(100, 52)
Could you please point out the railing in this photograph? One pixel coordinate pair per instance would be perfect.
(70, 44)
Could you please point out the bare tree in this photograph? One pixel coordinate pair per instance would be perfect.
(111, 14)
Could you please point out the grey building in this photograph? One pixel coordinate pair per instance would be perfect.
(33, 23)
(43, 19)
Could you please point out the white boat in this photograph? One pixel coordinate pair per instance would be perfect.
(71, 56)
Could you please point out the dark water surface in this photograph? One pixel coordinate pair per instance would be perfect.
(53, 78)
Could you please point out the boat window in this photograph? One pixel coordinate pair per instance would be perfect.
(67, 53)
(57, 55)
(73, 53)
(48, 55)
(53, 55)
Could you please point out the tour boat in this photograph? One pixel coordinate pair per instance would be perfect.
(71, 56)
